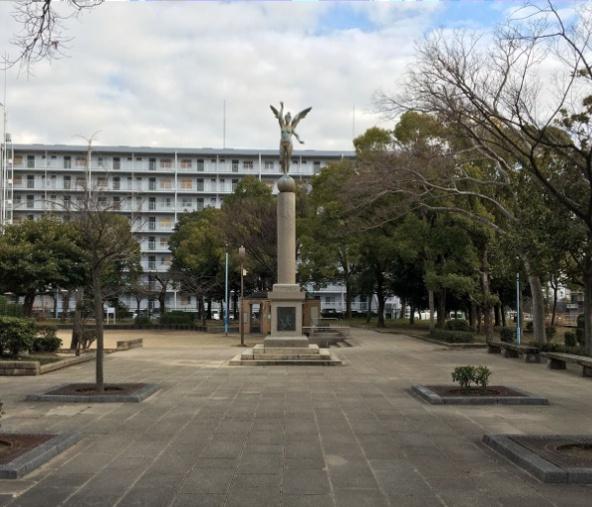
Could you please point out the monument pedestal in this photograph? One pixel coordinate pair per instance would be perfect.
(286, 317)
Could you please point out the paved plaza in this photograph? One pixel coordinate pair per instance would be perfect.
(291, 436)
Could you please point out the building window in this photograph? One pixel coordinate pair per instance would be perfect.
(116, 163)
(152, 203)
(30, 201)
(116, 203)
(268, 164)
(234, 184)
(102, 182)
(186, 163)
(152, 262)
(152, 164)
(116, 183)
(200, 203)
(152, 223)
(67, 202)
(168, 202)
(166, 183)
(79, 182)
(52, 201)
(152, 184)
(166, 222)
(200, 184)
(102, 202)
(163, 242)
(247, 164)
(151, 243)
(30, 181)
(31, 161)
(187, 203)
(212, 201)
(67, 162)
(67, 180)
(17, 199)
(17, 180)
(166, 163)
(18, 160)
(100, 162)
(80, 161)
(235, 166)
(186, 183)
(200, 165)
(316, 167)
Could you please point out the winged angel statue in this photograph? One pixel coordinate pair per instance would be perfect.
(288, 126)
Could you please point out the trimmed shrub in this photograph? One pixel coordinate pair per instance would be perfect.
(458, 325)
(16, 336)
(507, 334)
(46, 344)
(529, 327)
(143, 322)
(550, 331)
(570, 339)
(451, 336)
(464, 375)
(176, 318)
(481, 376)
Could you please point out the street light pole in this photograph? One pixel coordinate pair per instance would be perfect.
(518, 330)
(226, 293)
(241, 254)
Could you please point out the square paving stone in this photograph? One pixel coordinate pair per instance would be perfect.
(194, 500)
(352, 475)
(360, 498)
(260, 464)
(308, 501)
(305, 482)
(207, 481)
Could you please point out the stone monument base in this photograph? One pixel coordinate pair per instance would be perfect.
(265, 355)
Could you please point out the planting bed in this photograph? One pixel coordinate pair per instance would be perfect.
(87, 393)
(493, 395)
(20, 453)
(550, 458)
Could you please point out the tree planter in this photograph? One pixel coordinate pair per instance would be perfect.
(86, 393)
(494, 395)
(550, 458)
(22, 453)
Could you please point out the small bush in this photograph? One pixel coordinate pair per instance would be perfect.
(507, 334)
(143, 322)
(451, 336)
(570, 339)
(529, 327)
(458, 325)
(16, 336)
(464, 375)
(550, 331)
(177, 318)
(481, 376)
(46, 344)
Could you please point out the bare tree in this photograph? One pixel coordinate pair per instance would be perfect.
(500, 96)
(43, 35)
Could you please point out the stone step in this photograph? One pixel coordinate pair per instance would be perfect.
(331, 361)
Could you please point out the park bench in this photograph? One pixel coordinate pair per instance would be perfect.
(531, 352)
(558, 361)
(129, 344)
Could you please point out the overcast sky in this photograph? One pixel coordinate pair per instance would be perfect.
(157, 73)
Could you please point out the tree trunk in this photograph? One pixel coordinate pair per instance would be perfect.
(77, 323)
(503, 314)
(588, 309)
(98, 301)
(369, 309)
(538, 305)
(497, 315)
(473, 316)
(411, 315)
(402, 312)
(65, 306)
(28, 303)
(209, 312)
(431, 306)
(235, 296)
(348, 299)
(381, 300)
(441, 317)
(162, 301)
(554, 310)
(486, 296)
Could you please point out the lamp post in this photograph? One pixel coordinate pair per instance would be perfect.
(241, 254)
(226, 292)
(518, 330)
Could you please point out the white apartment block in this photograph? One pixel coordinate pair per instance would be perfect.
(152, 186)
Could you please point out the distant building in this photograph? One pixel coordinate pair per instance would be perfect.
(151, 186)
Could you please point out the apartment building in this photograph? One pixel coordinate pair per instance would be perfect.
(152, 186)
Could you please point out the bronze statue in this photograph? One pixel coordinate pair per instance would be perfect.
(288, 126)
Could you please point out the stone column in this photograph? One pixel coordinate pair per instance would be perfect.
(286, 231)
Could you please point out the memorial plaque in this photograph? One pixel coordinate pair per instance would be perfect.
(286, 318)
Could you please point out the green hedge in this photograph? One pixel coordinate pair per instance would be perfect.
(176, 318)
(458, 325)
(450, 336)
(9, 309)
(16, 336)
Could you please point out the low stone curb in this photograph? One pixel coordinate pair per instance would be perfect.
(37, 456)
(536, 465)
(433, 398)
(32, 368)
(135, 397)
(58, 365)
